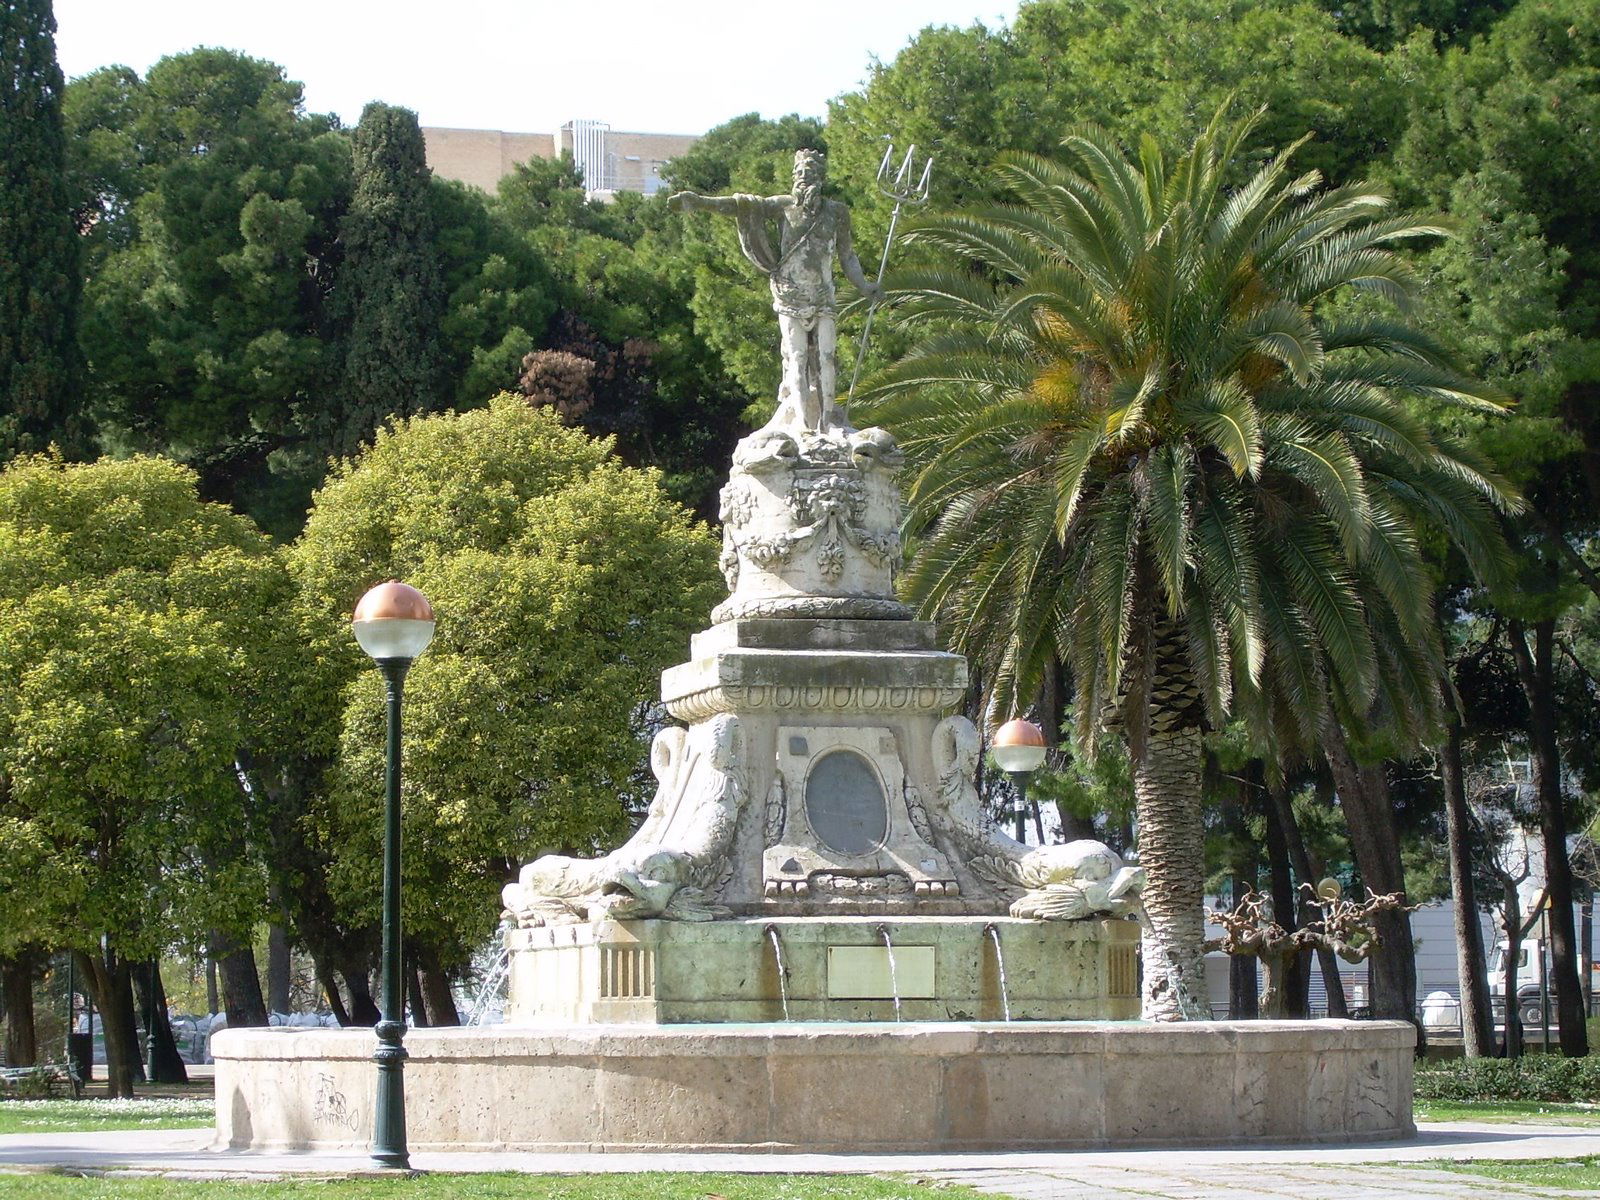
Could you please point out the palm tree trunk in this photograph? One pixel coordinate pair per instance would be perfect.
(1166, 791)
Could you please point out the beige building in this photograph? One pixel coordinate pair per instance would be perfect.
(611, 160)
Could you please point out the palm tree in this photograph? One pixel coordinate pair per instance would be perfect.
(1168, 435)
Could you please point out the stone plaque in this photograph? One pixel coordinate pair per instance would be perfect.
(845, 803)
(863, 973)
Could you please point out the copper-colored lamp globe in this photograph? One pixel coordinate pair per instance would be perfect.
(393, 620)
(1018, 747)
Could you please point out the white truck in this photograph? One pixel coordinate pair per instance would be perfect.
(1533, 964)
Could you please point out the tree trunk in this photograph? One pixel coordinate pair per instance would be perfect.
(413, 999)
(436, 994)
(1375, 844)
(1586, 951)
(1511, 906)
(1294, 982)
(16, 993)
(277, 968)
(1477, 1016)
(1300, 860)
(213, 998)
(330, 989)
(152, 1005)
(1536, 673)
(241, 984)
(1244, 1002)
(363, 1010)
(106, 979)
(1274, 993)
(1166, 789)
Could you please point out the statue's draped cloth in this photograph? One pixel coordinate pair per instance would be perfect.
(750, 217)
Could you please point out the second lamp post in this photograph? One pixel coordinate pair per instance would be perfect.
(1018, 749)
(394, 623)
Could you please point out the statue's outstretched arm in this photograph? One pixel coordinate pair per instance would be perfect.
(691, 201)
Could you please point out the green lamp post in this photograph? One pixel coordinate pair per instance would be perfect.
(394, 623)
(1018, 748)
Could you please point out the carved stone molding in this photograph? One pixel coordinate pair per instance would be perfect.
(733, 698)
(842, 608)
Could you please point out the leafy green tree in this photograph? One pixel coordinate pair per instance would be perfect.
(41, 371)
(964, 95)
(564, 582)
(501, 293)
(1497, 135)
(1383, 24)
(626, 281)
(390, 287)
(1148, 451)
(145, 651)
(104, 167)
(206, 322)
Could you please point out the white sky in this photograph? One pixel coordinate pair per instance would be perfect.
(672, 66)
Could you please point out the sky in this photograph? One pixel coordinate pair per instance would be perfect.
(667, 66)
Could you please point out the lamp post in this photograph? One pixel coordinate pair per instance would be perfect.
(150, 1028)
(1018, 748)
(394, 623)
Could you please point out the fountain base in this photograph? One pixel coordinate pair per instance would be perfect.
(827, 1087)
(835, 969)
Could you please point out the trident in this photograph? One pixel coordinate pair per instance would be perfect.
(897, 185)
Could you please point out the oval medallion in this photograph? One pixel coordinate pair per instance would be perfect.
(845, 803)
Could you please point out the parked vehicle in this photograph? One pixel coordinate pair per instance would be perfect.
(1532, 972)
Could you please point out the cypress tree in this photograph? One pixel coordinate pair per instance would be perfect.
(41, 368)
(392, 289)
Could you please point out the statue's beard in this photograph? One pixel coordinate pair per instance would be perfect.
(809, 195)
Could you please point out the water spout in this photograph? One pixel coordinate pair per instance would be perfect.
(777, 955)
(894, 976)
(1000, 961)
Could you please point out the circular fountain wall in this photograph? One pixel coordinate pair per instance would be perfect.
(827, 1087)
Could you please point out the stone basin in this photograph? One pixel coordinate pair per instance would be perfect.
(827, 1087)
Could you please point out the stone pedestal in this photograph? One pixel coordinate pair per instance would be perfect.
(837, 720)
(832, 969)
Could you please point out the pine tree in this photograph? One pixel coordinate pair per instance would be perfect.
(40, 364)
(392, 290)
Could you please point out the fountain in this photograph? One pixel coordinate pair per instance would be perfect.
(817, 810)
(1000, 967)
(894, 974)
(777, 963)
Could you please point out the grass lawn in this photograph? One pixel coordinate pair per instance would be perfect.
(66, 1116)
(1537, 1112)
(1577, 1174)
(490, 1187)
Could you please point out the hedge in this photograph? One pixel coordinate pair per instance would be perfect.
(1547, 1077)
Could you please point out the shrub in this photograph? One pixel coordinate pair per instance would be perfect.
(1539, 1077)
(33, 1083)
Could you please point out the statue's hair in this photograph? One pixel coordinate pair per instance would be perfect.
(810, 162)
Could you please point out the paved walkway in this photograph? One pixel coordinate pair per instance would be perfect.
(1367, 1172)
